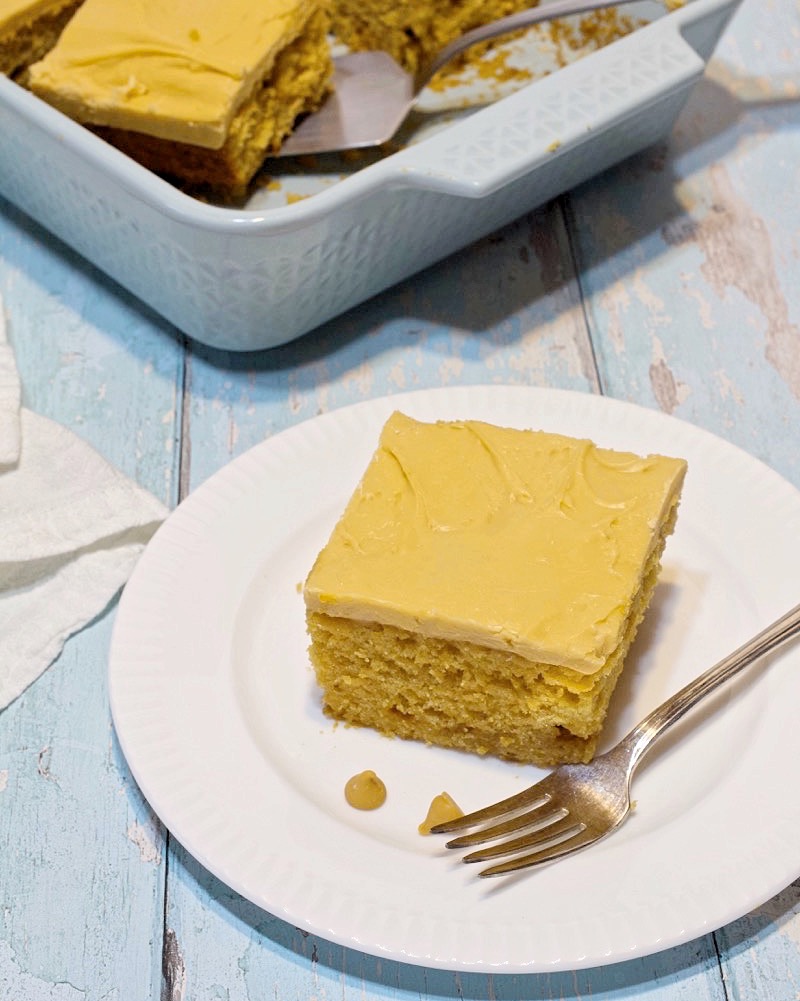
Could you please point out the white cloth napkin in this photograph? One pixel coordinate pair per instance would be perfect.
(71, 530)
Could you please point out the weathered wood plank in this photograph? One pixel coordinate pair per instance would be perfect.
(761, 951)
(688, 253)
(82, 875)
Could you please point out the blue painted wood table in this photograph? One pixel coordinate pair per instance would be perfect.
(672, 281)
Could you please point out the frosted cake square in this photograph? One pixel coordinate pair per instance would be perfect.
(197, 92)
(484, 584)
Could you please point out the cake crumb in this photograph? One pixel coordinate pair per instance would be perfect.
(482, 61)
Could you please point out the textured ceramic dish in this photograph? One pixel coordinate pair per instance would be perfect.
(253, 278)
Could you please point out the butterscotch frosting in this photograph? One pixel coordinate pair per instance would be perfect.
(522, 540)
(177, 70)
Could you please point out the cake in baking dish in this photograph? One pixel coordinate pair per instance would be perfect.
(413, 32)
(29, 29)
(484, 584)
(196, 91)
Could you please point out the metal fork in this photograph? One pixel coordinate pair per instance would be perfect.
(577, 805)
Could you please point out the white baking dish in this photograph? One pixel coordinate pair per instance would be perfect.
(253, 278)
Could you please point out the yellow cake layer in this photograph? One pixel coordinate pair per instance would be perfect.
(413, 32)
(484, 584)
(29, 29)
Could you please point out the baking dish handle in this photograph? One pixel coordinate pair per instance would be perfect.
(626, 97)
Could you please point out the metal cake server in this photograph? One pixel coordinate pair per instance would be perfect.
(372, 95)
(576, 805)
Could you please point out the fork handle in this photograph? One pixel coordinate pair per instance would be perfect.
(505, 25)
(669, 712)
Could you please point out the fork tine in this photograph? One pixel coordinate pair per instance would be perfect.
(534, 819)
(560, 850)
(555, 833)
(531, 797)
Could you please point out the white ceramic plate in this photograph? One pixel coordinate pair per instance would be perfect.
(217, 712)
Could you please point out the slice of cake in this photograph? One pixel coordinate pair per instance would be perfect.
(197, 91)
(413, 32)
(29, 29)
(484, 584)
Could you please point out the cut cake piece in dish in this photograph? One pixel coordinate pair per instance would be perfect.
(198, 92)
(484, 584)
(29, 29)
(410, 31)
